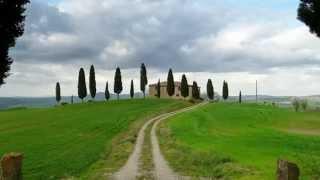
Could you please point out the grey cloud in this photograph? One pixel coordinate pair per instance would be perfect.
(149, 31)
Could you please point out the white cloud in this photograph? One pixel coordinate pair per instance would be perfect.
(205, 39)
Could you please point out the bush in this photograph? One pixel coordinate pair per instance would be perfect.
(296, 105)
(64, 103)
(304, 104)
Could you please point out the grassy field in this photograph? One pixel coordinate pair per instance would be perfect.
(67, 141)
(233, 141)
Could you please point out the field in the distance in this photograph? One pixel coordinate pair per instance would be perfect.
(65, 141)
(233, 141)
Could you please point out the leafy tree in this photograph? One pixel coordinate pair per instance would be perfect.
(195, 91)
(240, 97)
(210, 90)
(58, 92)
(158, 89)
(92, 82)
(11, 27)
(82, 87)
(106, 92)
(143, 79)
(170, 83)
(309, 13)
(184, 86)
(225, 91)
(131, 90)
(304, 104)
(117, 82)
(296, 105)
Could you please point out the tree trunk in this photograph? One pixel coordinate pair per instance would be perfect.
(118, 97)
(11, 167)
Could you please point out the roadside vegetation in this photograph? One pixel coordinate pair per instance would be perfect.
(241, 141)
(77, 140)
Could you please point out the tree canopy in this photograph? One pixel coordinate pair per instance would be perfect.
(132, 90)
(158, 89)
(11, 27)
(170, 83)
(225, 90)
(82, 87)
(92, 82)
(117, 82)
(184, 86)
(309, 13)
(143, 79)
(210, 90)
(195, 90)
(106, 92)
(58, 92)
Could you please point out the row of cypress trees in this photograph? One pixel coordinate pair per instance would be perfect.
(118, 87)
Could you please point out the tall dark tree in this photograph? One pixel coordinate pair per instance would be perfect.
(92, 82)
(11, 27)
(117, 83)
(82, 87)
(143, 79)
(210, 90)
(240, 97)
(184, 86)
(170, 83)
(225, 90)
(158, 89)
(71, 99)
(309, 13)
(132, 90)
(106, 92)
(58, 92)
(195, 90)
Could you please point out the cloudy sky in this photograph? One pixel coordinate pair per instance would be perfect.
(237, 41)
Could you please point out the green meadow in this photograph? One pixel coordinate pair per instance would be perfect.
(232, 141)
(66, 141)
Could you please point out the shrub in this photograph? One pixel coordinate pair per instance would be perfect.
(304, 104)
(296, 105)
(64, 103)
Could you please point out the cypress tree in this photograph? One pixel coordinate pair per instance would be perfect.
(225, 91)
(106, 92)
(170, 83)
(143, 79)
(210, 90)
(184, 86)
(132, 90)
(195, 90)
(92, 82)
(82, 87)
(71, 99)
(58, 93)
(117, 82)
(240, 97)
(159, 89)
(12, 19)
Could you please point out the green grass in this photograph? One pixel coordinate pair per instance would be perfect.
(233, 141)
(66, 141)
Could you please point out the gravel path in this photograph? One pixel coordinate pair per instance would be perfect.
(162, 171)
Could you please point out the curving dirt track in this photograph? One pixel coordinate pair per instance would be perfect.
(130, 171)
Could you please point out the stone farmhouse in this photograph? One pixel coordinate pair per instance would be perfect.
(164, 93)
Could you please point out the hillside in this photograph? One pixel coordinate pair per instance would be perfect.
(13, 102)
(232, 141)
(68, 140)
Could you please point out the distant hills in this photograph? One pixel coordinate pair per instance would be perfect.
(13, 102)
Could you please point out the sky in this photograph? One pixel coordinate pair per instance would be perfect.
(237, 41)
